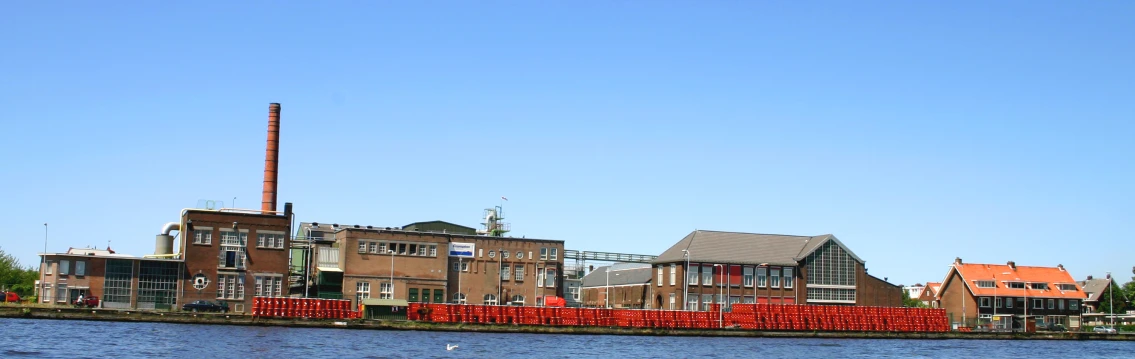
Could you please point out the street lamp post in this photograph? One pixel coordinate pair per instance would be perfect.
(720, 294)
(1110, 299)
(43, 267)
(391, 251)
(607, 297)
(685, 281)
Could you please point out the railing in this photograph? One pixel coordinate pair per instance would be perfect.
(608, 256)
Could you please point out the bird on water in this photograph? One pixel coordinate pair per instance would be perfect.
(450, 346)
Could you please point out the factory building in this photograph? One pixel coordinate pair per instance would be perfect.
(709, 267)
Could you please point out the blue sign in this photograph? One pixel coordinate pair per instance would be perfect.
(463, 250)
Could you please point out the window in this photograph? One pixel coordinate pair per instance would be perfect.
(373, 247)
(748, 277)
(480, 253)
(519, 273)
(1038, 303)
(505, 272)
(539, 278)
(230, 286)
(553, 253)
(673, 297)
(490, 299)
(1015, 285)
(64, 267)
(1008, 302)
(492, 254)
(1060, 304)
(999, 304)
(691, 302)
(984, 283)
(269, 285)
(423, 250)
(984, 303)
(673, 274)
(550, 281)
(575, 293)
(413, 249)
(844, 295)
(1067, 287)
(518, 300)
(386, 290)
(544, 254)
(458, 298)
(519, 255)
(402, 248)
(362, 291)
(60, 292)
(774, 278)
(530, 255)
(80, 268)
(659, 280)
(706, 300)
(413, 295)
(504, 254)
(1073, 304)
(762, 277)
(830, 265)
(788, 278)
(707, 275)
(48, 264)
(382, 248)
(433, 250)
(692, 275)
(202, 235)
(464, 266)
(232, 248)
(1039, 286)
(47, 293)
(539, 301)
(269, 239)
(1051, 304)
(362, 247)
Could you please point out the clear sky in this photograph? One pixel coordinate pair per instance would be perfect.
(914, 131)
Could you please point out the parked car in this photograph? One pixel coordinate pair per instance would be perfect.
(88, 302)
(9, 297)
(1106, 329)
(205, 306)
(1055, 327)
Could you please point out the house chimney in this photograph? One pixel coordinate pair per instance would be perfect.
(1012, 265)
(1061, 266)
(271, 159)
(1089, 277)
(957, 260)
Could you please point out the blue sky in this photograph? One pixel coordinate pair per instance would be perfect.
(915, 132)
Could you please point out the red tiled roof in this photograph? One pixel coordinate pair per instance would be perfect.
(1001, 274)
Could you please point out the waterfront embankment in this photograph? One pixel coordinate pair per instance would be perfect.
(64, 313)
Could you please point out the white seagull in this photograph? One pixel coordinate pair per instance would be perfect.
(450, 346)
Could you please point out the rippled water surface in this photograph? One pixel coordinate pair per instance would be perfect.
(87, 339)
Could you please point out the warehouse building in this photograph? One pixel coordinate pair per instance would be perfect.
(709, 267)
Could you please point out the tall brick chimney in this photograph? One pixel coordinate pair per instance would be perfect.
(1012, 265)
(271, 159)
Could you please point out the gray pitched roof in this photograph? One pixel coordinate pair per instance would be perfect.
(1094, 286)
(626, 275)
(746, 248)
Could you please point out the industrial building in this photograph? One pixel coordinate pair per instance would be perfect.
(709, 267)
(434, 263)
(620, 285)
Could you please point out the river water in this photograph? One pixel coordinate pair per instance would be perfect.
(27, 338)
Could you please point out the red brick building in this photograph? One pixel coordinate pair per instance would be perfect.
(728, 267)
(417, 266)
(1004, 296)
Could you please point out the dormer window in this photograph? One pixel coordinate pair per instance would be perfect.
(985, 284)
(1067, 287)
(1039, 286)
(1015, 285)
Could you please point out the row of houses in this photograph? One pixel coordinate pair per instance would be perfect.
(1010, 296)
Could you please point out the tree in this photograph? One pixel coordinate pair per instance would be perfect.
(1121, 298)
(16, 278)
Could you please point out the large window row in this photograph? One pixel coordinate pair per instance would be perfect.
(399, 248)
(761, 277)
(831, 295)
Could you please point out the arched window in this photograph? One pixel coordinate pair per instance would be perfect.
(459, 298)
(490, 299)
(517, 300)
